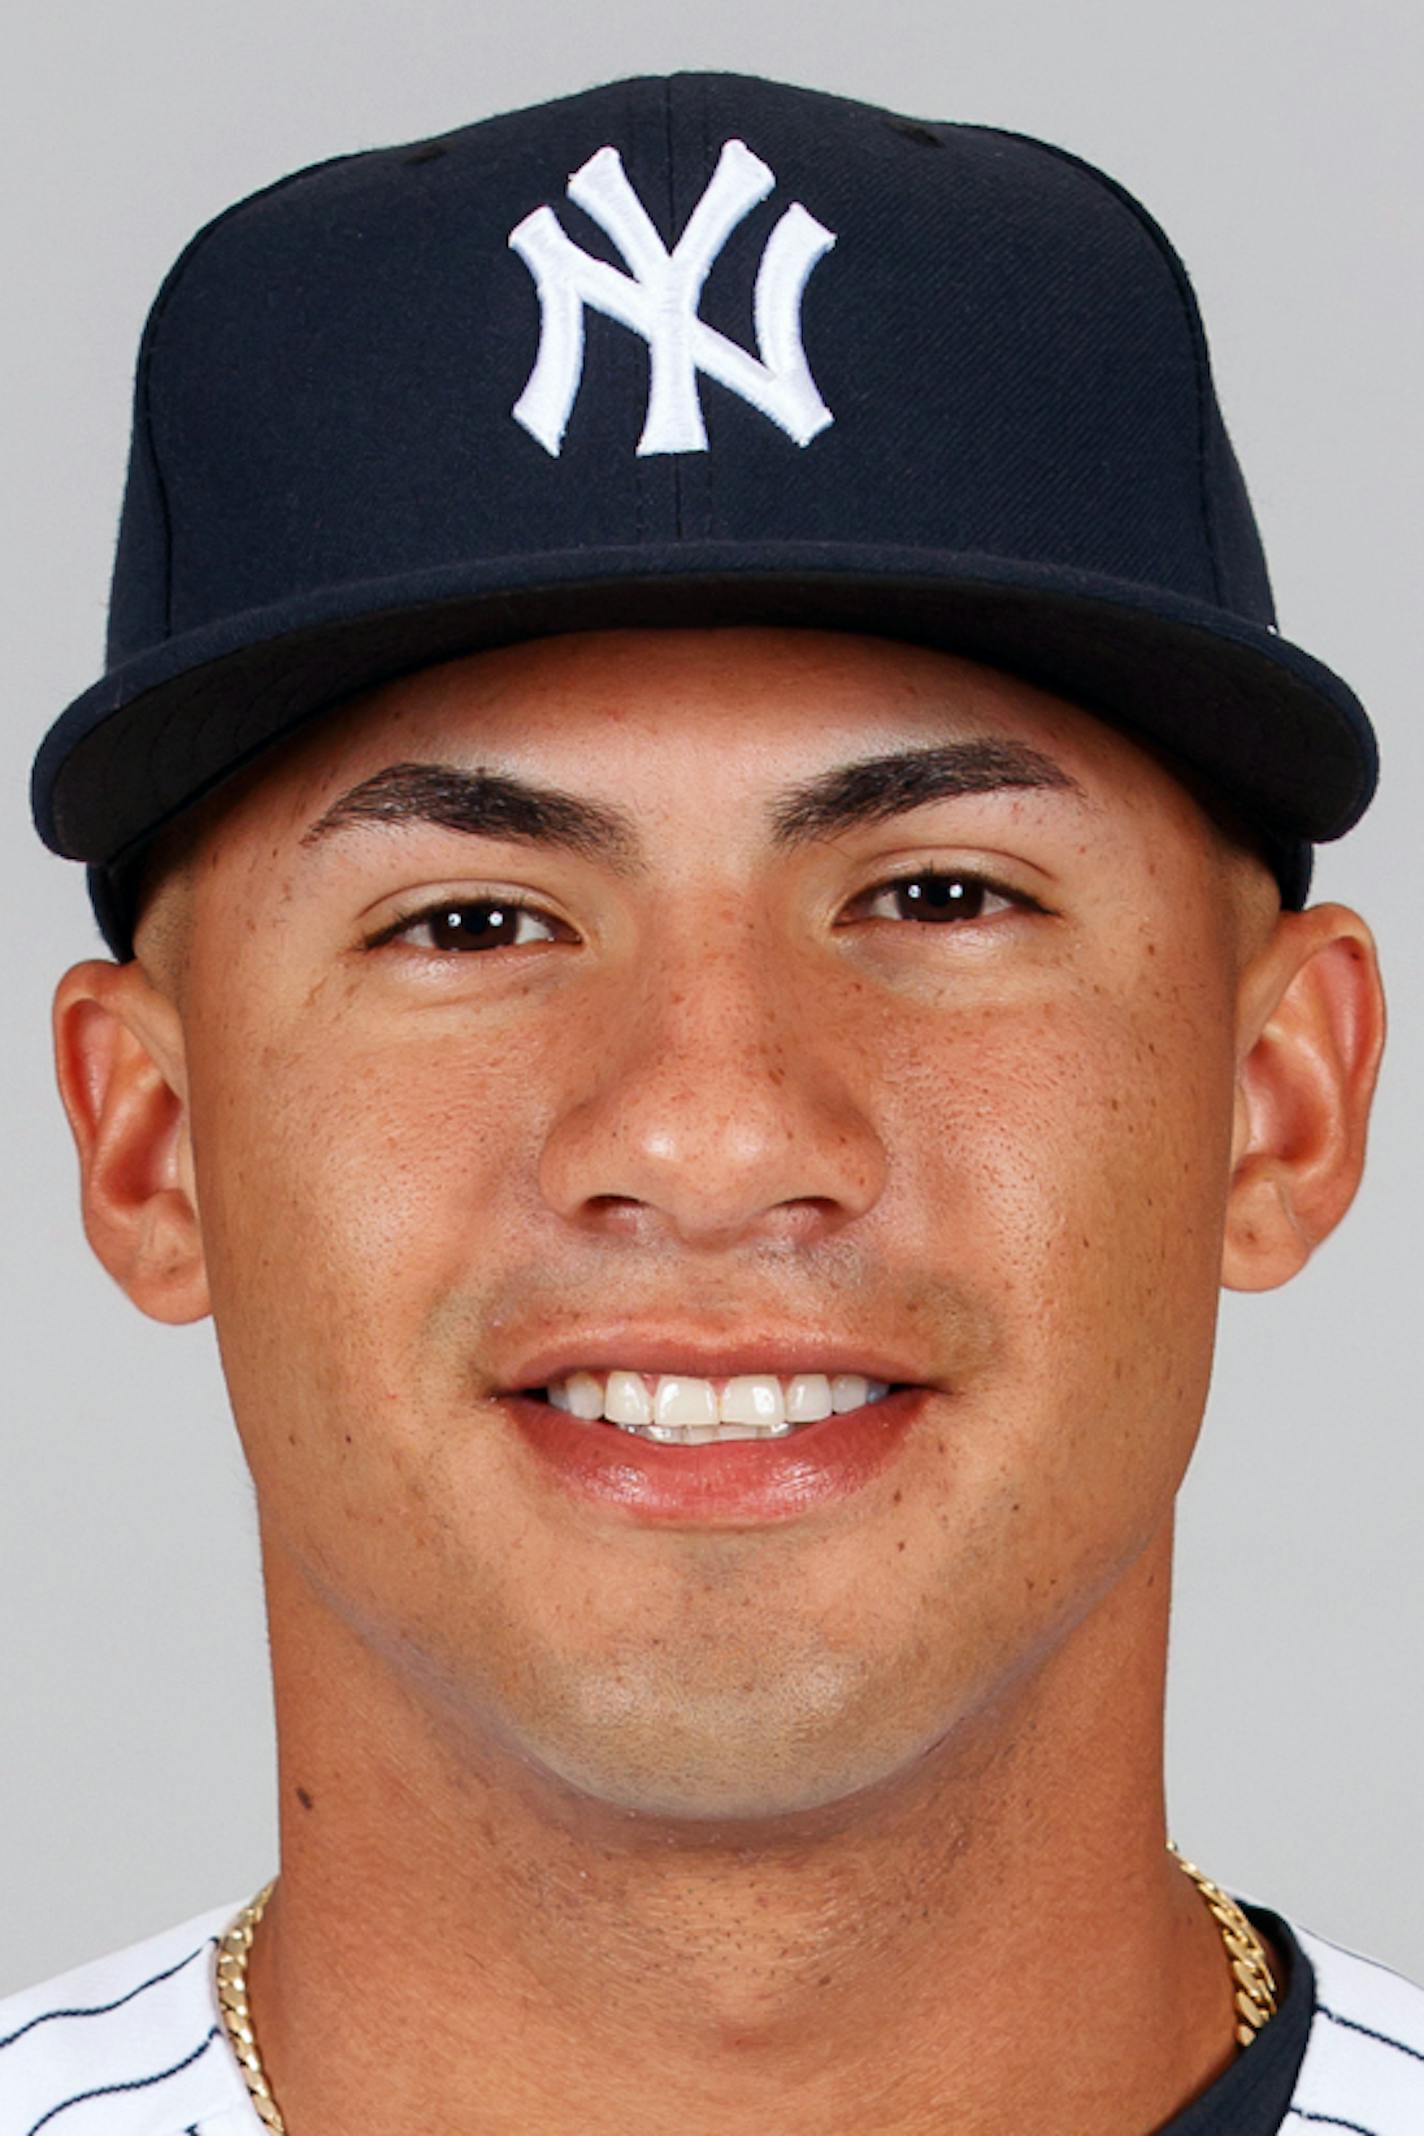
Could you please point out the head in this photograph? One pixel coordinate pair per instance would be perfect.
(723, 1079)
(704, 1065)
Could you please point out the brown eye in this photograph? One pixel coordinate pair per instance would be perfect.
(939, 897)
(470, 924)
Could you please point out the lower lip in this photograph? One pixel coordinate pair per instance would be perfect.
(724, 1482)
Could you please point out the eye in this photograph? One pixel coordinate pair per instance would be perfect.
(943, 896)
(467, 924)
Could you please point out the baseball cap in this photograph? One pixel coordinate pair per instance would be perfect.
(689, 350)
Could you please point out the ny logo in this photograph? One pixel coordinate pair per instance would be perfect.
(659, 299)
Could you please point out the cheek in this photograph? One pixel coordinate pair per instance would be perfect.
(1078, 1157)
(1085, 1106)
(346, 1195)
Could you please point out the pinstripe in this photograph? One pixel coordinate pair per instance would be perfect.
(130, 2084)
(1385, 2039)
(102, 2009)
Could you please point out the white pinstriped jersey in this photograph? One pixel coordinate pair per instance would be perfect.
(1364, 2059)
(132, 2045)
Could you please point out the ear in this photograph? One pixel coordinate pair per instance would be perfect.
(120, 1062)
(1311, 1029)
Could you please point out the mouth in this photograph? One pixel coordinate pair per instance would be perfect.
(657, 1468)
(681, 1409)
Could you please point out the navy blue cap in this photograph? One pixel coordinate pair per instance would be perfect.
(692, 350)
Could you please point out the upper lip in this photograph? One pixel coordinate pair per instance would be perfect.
(654, 1350)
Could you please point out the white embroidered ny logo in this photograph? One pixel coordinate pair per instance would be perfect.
(659, 299)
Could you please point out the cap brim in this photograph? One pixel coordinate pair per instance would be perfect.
(1256, 715)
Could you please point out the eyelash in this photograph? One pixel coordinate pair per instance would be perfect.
(441, 907)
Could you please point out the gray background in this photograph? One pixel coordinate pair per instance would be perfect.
(1279, 145)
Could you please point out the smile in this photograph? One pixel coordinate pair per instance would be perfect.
(680, 1409)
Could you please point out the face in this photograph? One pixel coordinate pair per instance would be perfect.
(726, 1084)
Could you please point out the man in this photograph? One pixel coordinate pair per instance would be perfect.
(705, 832)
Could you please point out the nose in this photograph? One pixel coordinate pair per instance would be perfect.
(723, 1104)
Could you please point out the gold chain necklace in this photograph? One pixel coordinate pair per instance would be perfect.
(237, 2012)
(1255, 1984)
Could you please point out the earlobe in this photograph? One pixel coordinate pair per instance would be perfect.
(1313, 1025)
(119, 1060)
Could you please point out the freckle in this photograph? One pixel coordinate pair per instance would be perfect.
(896, 1499)
(900, 1545)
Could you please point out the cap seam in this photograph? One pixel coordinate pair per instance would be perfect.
(696, 482)
(1191, 312)
(670, 156)
(152, 330)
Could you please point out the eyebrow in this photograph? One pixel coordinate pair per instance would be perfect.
(487, 803)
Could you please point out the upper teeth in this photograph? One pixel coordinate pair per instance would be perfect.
(754, 1405)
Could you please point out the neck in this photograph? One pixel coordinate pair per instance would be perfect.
(459, 1940)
